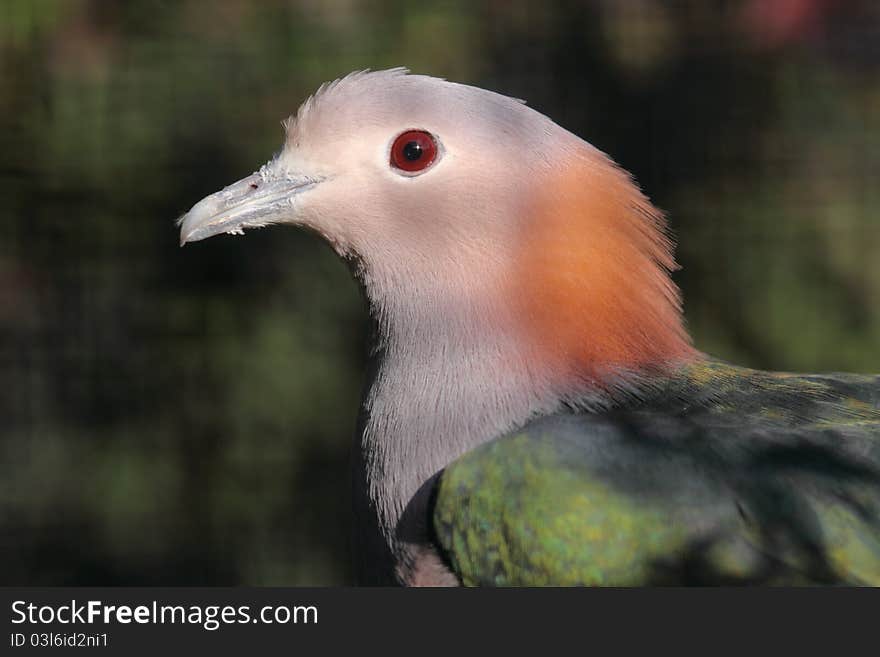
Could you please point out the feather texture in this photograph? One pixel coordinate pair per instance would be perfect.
(521, 274)
(724, 476)
(593, 274)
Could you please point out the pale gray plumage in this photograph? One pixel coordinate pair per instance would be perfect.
(446, 366)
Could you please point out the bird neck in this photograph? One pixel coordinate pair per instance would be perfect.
(429, 400)
(574, 306)
(436, 391)
(592, 277)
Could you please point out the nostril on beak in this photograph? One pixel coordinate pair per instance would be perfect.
(254, 185)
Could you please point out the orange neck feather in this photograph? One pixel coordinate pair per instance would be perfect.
(593, 276)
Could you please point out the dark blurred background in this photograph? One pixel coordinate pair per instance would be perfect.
(175, 416)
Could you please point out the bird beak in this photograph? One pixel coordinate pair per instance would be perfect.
(252, 202)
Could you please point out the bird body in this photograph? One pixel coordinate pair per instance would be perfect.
(722, 475)
(519, 282)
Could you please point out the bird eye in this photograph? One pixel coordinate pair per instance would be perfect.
(413, 151)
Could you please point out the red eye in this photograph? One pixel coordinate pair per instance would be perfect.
(413, 151)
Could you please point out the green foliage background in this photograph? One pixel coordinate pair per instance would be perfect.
(184, 416)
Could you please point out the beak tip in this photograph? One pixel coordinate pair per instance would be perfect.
(249, 203)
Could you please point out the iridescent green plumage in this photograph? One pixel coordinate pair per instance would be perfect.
(724, 475)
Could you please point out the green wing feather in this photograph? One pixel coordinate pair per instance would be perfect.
(728, 475)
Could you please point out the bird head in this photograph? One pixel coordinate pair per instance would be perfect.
(468, 210)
